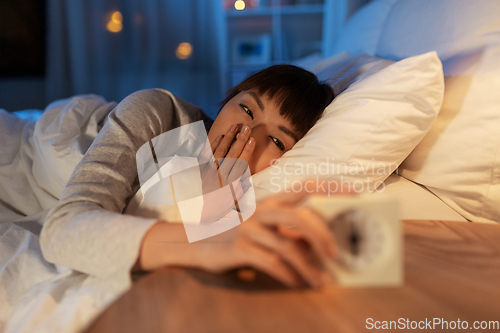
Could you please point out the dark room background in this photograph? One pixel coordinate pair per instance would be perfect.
(52, 49)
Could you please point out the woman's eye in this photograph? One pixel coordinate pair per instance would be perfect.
(247, 110)
(278, 143)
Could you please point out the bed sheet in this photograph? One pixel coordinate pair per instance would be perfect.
(415, 201)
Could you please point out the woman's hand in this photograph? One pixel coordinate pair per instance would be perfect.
(241, 148)
(231, 152)
(230, 167)
(282, 239)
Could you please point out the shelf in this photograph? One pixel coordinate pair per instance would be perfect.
(294, 31)
(278, 10)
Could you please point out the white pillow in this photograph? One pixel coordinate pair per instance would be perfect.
(459, 159)
(362, 31)
(367, 130)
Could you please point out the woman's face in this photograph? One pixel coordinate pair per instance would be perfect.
(273, 134)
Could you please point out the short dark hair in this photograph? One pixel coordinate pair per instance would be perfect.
(300, 96)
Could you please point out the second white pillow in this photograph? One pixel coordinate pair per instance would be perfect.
(366, 132)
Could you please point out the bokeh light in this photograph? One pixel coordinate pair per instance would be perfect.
(117, 17)
(239, 5)
(115, 23)
(184, 50)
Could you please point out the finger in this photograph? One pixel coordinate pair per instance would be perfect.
(215, 143)
(269, 263)
(226, 141)
(305, 222)
(240, 166)
(300, 258)
(235, 150)
(210, 180)
(241, 139)
(288, 232)
(248, 150)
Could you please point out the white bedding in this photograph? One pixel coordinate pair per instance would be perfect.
(35, 163)
(416, 202)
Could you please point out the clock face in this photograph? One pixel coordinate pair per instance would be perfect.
(359, 236)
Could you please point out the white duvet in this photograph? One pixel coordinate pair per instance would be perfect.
(36, 160)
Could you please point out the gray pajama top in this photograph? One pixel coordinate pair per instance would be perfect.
(86, 231)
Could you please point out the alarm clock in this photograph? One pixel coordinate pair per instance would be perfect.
(368, 234)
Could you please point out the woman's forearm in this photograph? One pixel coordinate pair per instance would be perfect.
(165, 244)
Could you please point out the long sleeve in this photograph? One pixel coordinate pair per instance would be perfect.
(87, 231)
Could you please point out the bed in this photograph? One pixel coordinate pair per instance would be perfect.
(416, 117)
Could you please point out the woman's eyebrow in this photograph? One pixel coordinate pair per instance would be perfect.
(257, 99)
(281, 128)
(289, 133)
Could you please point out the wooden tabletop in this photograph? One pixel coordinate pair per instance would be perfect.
(452, 271)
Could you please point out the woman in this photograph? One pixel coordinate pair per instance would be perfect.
(262, 117)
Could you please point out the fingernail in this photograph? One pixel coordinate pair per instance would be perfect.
(251, 141)
(234, 127)
(246, 129)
